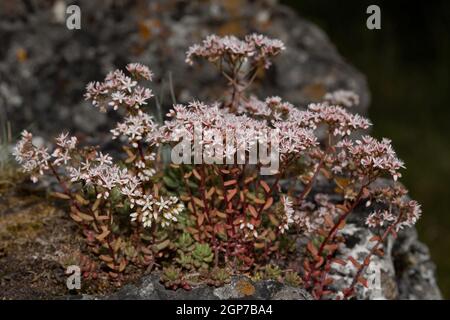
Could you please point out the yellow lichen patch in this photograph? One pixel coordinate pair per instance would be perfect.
(314, 91)
(233, 7)
(245, 288)
(231, 27)
(21, 55)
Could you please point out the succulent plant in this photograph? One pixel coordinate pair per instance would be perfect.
(185, 242)
(172, 277)
(292, 278)
(185, 260)
(270, 272)
(187, 211)
(129, 251)
(219, 276)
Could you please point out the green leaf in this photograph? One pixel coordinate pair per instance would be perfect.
(169, 182)
(162, 245)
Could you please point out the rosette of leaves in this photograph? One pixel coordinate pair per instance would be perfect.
(184, 246)
(185, 243)
(269, 272)
(185, 260)
(292, 278)
(202, 255)
(219, 276)
(172, 277)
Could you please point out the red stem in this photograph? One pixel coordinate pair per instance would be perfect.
(348, 292)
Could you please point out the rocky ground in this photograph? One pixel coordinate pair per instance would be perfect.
(238, 288)
(35, 240)
(38, 241)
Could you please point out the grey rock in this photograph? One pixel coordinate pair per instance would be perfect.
(44, 67)
(380, 275)
(406, 271)
(150, 288)
(415, 271)
(291, 293)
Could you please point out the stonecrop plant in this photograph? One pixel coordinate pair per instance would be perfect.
(198, 220)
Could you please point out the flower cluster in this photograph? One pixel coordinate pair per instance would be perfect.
(342, 98)
(398, 211)
(65, 146)
(34, 160)
(150, 208)
(379, 218)
(219, 128)
(288, 214)
(313, 216)
(257, 48)
(293, 139)
(139, 70)
(273, 108)
(340, 121)
(368, 156)
(241, 131)
(411, 211)
(101, 173)
(120, 90)
(137, 128)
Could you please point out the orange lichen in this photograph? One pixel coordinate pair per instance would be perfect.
(245, 288)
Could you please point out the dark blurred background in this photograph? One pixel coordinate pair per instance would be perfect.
(407, 67)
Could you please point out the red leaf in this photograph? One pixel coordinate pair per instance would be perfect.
(249, 179)
(363, 281)
(339, 261)
(379, 252)
(306, 266)
(331, 248)
(196, 174)
(320, 261)
(230, 182)
(231, 194)
(375, 238)
(312, 248)
(268, 204)
(200, 219)
(354, 262)
(253, 211)
(265, 186)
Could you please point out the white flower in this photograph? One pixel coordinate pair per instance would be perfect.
(140, 70)
(289, 214)
(127, 84)
(103, 159)
(342, 97)
(33, 160)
